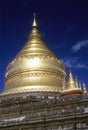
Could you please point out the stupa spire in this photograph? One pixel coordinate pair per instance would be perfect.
(71, 82)
(71, 79)
(76, 80)
(84, 88)
(34, 21)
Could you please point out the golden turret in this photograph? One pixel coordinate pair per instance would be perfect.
(35, 68)
(71, 83)
(84, 88)
(76, 80)
(71, 89)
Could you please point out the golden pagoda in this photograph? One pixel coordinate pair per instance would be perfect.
(35, 69)
(38, 95)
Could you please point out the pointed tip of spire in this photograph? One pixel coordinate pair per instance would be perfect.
(70, 74)
(34, 21)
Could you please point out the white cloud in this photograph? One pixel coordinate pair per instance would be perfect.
(80, 66)
(73, 63)
(79, 45)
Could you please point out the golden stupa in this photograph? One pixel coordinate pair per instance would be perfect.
(72, 84)
(71, 89)
(35, 68)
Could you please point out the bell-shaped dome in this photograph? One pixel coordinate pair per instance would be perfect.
(35, 68)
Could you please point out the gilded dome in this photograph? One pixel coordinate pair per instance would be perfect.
(35, 68)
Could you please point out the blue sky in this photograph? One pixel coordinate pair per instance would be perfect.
(63, 25)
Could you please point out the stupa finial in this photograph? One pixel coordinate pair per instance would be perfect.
(84, 88)
(76, 80)
(71, 80)
(34, 21)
